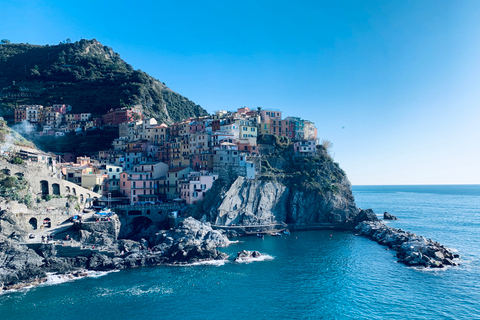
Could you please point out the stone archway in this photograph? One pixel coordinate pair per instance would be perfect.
(81, 197)
(135, 213)
(33, 223)
(67, 189)
(56, 189)
(44, 187)
(74, 191)
(47, 223)
(6, 171)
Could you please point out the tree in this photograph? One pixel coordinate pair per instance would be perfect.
(68, 40)
(327, 144)
(4, 41)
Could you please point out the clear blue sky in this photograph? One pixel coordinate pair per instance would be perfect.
(393, 84)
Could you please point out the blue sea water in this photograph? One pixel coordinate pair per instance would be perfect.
(307, 275)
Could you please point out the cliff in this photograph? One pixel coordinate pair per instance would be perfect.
(87, 75)
(302, 191)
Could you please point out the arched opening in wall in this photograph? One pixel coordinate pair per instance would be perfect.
(67, 189)
(88, 195)
(44, 187)
(33, 223)
(74, 191)
(134, 213)
(81, 197)
(141, 227)
(148, 211)
(47, 223)
(19, 175)
(56, 189)
(6, 171)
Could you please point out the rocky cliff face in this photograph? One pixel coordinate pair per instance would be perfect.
(256, 201)
(296, 190)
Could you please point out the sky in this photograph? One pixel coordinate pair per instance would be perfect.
(394, 85)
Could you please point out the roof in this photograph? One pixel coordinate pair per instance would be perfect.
(177, 169)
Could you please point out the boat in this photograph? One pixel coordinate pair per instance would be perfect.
(275, 234)
(260, 235)
(286, 231)
(105, 213)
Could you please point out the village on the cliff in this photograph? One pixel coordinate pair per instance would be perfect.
(153, 163)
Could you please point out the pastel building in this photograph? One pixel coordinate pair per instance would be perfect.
(138, 186)
(169, 186)
(194, 188)
(305, 147)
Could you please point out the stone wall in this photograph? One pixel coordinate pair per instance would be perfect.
(42, 181)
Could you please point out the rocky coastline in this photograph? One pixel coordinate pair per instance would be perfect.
(21, 266)
(411, 249)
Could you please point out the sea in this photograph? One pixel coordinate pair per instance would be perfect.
(305, 275)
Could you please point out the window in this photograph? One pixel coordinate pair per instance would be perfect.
(244, 128)
(110, 170)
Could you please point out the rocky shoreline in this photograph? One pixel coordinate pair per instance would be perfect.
(190, 242)
(411, 249)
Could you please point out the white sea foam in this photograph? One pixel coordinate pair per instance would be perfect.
(217, 263)
(263, 257)
(53, 278)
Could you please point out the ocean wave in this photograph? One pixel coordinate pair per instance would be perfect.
(217, 263)
(54, 279)
(263, 257)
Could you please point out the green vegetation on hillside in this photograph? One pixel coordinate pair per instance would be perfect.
(87, 75)
(313, 173)
(13, 188)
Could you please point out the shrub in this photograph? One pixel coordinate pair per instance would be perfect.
(17, 160)
(48, 197)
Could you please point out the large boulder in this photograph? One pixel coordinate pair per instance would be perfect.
(191, 241)
(365, 215)
(246, 255)
(388, 216)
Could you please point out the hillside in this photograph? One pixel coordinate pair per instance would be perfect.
(88, 76)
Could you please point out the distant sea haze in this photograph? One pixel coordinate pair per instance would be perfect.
(308, 275)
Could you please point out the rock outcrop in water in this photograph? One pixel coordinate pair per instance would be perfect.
(412, 250)
(388, 216)
(246, 255)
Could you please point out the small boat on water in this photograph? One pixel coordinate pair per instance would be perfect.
(286, 231)
(275, 234)
(260, 235)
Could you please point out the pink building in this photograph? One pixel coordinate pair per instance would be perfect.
(60, 108)
(197, 127)
(138, 186)
(196, 186)
(267, 115)
(243, 110)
